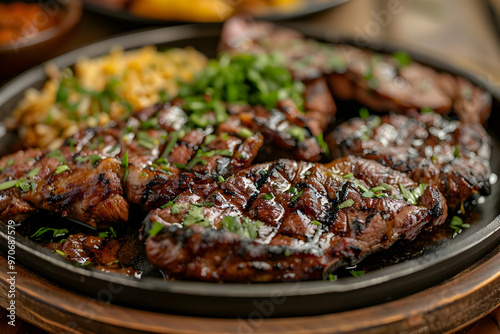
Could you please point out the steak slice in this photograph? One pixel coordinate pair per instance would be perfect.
(379, 81)
(288, 221)
(448, 154)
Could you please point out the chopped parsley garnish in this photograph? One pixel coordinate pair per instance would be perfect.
(241, 226)
(61, 168)
(346, 204)
(253, 79)
(155, 229)
(357, 273)
(125, 165)
(268, 197)
(196, 216)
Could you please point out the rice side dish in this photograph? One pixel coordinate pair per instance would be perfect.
(99, 90)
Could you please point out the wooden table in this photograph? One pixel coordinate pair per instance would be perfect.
(456, 30)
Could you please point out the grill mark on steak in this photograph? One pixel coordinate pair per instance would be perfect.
(289, 246)
(451, 155)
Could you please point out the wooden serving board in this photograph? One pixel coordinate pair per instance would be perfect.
(449, 306)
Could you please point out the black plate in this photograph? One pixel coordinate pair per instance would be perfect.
(438, 261)
(309, 7)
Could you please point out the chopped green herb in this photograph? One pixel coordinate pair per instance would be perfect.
(155, 229)
(427, 110)
(315, 222)
(94, 159)
(297, 133)
(242, 226)
(86, 263)
(307, 172)
(402, 58)
(224, 136)
(10, 162)
(346, 204)
(357, 273)
(151, 123)
(125, 165)
(144, 140)
(55, 232)
(174, 137)
(287, 253)
(72, 143)
(245, 133)
(456, 153)
(209, 139)
(196, 216)
(324, 146)
(167, 205)
(332, 277)
(220, 179)
(268, 196)
(61, 168)
(292, 190)
(297, 196)
(457, 224)
(175, 209)
(348, 176)
(34, 172)
(58, 155)
(364, 113)
(408, 195)
(60, 253)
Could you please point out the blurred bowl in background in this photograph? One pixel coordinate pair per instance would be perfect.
(30, 30)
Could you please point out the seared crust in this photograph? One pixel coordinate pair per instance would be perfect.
(305, 234)
(450, 155)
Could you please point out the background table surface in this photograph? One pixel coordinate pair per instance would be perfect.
(460, 31)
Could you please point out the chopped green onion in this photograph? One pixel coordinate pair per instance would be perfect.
(456, 153)
(58, 155)
(60, 253)
(332, 277)
(125, 165)
(61, 168)
(34, 172)
(323, 144)
(348, 176)
(268, 197)
(297, 133)
(357, 273)
(297, 196)
(315, 222)
(402, 58)
(346, 204)
(245, 133)
(10, 162)
(364, 113)
(155, 229)
(196, 216)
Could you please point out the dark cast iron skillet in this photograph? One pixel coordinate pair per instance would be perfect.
(438, 260)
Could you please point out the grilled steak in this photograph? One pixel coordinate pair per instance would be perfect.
(287, 220)
(450, 155)
(381, 82)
